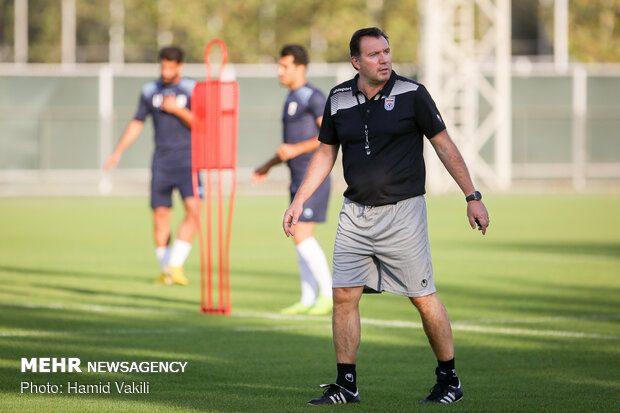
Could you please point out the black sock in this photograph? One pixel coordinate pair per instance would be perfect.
(448, 367)
(347, 377)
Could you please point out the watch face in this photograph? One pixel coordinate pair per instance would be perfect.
(476, 196)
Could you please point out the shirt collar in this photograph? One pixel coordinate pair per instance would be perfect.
(385, 91)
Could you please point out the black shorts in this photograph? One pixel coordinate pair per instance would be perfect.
(163, 182)
(315, 208)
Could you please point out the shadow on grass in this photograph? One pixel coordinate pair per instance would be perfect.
(597, 249)
(62, 272)
(106, 289)
(230, 369)
(538, 297)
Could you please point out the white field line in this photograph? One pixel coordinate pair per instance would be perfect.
(471, 326)
(534, 320)
(529, 332)
(274, 328)
(107, 332)
(560, 257)
(95, 308)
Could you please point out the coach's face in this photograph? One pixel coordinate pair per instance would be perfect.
(170, 71)
(374, 63)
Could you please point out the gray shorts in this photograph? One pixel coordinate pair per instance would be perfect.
(384, 248)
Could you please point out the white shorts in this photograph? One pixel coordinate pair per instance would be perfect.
(384, 248)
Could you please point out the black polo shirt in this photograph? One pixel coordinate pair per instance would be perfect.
(391, 167)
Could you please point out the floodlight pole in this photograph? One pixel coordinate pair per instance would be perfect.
(466, 62)
(580, 122)
(560, 35)
(106, 113)
(21, 32)
(68, 33)
(117, 32)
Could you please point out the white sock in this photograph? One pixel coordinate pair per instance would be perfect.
(310, 250)
(179, 252)
(308, 284)
(163, 254)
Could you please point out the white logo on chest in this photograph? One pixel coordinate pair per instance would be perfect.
(292, 108)
(158, 99)
(389, 102)
(181, 101)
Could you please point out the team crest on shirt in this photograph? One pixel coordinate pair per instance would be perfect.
(157, 100)
(292, 108)
(389, 102)
(181, 101)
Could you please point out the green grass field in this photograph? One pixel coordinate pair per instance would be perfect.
(535, 309)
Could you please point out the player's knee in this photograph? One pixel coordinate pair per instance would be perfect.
(192, 207)
(190, 218)
(346, 296)
(426, 302)
(161, 218)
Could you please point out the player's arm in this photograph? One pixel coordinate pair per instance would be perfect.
(319, 168)
(169, 105)
(131, 133)
(285, 152)
(453, 161)
(288, 151)
(260, 173)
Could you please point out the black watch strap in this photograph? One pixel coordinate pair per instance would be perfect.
(476, 196)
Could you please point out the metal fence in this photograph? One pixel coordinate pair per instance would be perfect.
(58, 124)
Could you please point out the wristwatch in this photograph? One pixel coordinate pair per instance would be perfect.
(476, 196)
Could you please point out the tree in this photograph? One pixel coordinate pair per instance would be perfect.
(254, 30)
(594, 29)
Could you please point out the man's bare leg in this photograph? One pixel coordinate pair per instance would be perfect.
(161, 222)
(439, 333)
(346, 323)
(187, 228)
(436, 325)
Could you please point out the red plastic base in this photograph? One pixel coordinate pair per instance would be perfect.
(219, 310)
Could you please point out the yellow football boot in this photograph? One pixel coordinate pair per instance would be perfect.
(297, 308)
(164, 279)
(177, 276)
(322, 306)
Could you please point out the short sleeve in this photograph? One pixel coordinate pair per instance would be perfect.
(427, 115)
(143, 109)
(328, 132)
(317, 104)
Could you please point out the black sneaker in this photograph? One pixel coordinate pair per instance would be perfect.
(335, 394)
(444, 392)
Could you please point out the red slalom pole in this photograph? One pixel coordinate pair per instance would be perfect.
(200, 239)
(209, 241)
(214, 147)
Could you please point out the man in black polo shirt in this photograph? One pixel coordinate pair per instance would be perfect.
(380, 120)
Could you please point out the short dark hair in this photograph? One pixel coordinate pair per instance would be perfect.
(299, 53)
(354, 44)
(172, 53)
